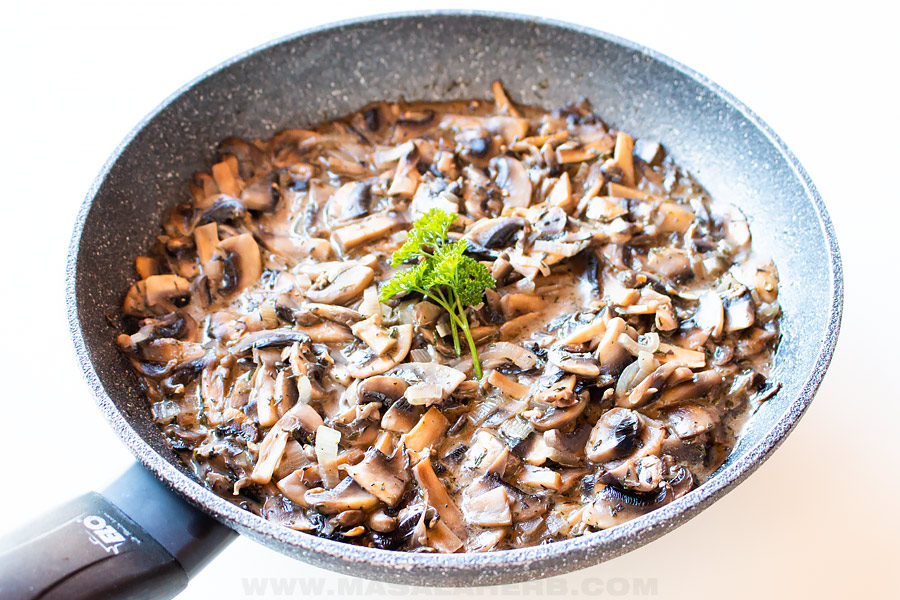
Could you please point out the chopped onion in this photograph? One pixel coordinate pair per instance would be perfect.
(420, 355)
(516, 428)
(327, 440)
(165, 411)
(635, 373)
(649, 342)
(371, 306)
(443, 328)
(424, 394)
(482, 412)
(304, 388)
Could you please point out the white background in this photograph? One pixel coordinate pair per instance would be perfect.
(820, 519)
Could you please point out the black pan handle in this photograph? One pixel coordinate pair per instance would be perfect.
(138, 540)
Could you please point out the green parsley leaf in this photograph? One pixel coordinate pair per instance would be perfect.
(427, 234)
(444, 274)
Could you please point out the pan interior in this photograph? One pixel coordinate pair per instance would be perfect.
(330, 72)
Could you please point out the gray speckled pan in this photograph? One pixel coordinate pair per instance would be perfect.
(333, 70)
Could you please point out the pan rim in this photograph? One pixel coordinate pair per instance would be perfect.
(480, 568)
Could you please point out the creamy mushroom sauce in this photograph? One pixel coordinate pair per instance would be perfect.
(629, 335)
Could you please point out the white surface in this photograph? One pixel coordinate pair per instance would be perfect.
(820, 519)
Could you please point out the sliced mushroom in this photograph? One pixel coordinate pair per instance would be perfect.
(338, 314)
(262, 195)
(177, 325)
(556, 418)
(614, 506)
(672, 263)
(615, 435)
(490, 509)
(367, 230)
(438, 497)
(342, 286)
(383, 478)
(509, 128)
(579, 363)
(447, 378)
(641, 475)
(431, 426)
(561, 194)
(270, 451)
(350, 201)
(539, 478)
(373, 364)
(645, 391)
(381, 388)
(371, 332)
(156, 296)
(294, 488)
(690, 420)
(560, 394)
(549, 220)
(512, 305)
(739, 311)
(511, 177)
(567, 448)
(347, 495)
(225, 210)
(697, 387)
(242, 262)
(710, 314)
(495, 233)
(401, 417)
(268, 338)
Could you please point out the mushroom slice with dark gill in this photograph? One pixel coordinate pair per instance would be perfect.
(380, 388)
(268, 338)
(496, 233)
(615, 435)
(613, 506)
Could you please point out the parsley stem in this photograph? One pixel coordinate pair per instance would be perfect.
(447, 304)
(468, 333)
(454, 320)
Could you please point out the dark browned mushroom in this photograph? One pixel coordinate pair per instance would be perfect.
(381, 388)
(496, 233)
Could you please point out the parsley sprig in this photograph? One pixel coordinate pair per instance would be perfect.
(443, 274)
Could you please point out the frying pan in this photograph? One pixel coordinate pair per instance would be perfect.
(157, 525)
